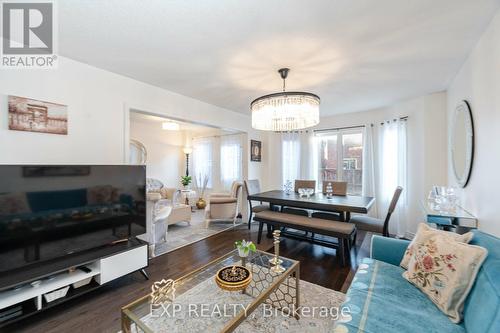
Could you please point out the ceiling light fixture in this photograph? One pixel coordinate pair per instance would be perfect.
(170, 126)
(285, 111)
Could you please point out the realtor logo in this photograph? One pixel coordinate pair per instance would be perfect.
(28, 31)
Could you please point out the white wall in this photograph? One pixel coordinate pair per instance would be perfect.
(478, 82)
(427, 145)
(165, 161)
(96, 102)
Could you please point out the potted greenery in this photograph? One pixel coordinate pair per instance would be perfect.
(244, 248)
(185, 181)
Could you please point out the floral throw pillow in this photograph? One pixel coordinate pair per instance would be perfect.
(445, 270)
(425, 232)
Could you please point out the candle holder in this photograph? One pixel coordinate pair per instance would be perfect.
(276, 261)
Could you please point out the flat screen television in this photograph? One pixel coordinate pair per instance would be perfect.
(49, 212)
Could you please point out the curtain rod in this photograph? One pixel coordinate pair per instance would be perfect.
(352, 127)
(216, 136)
(338, 128)
(400, 118)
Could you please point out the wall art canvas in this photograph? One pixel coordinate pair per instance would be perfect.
(31, 115)
(255, 151)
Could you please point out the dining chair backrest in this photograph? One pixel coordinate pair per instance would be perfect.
(392, 208)
(339, 188)
(304, 184)
(395, 199)
(252, 186)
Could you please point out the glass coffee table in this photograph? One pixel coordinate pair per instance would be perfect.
(197, 304)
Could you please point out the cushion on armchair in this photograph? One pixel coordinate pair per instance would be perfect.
(219, 194)
(222, 200)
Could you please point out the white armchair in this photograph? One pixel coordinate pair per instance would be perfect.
(157, 214)
(224, 206)
(180, 211)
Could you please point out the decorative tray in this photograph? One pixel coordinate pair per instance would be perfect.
(233, 278)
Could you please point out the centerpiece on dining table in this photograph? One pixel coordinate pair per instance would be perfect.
(305, 192)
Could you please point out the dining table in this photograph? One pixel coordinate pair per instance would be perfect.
(344, 204)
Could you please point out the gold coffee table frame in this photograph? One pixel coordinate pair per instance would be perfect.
(279, 290)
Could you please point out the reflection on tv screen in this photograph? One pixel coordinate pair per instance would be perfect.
(48, 212)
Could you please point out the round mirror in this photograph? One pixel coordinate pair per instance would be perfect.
(462, 143)
(137, 153)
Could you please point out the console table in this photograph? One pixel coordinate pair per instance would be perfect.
(457, 218)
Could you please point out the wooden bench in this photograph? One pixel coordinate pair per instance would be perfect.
(343, 231)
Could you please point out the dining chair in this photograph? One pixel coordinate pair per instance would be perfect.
(304, 184)
(372, 224)
(300, 184)
(339, 188)
(253, 187)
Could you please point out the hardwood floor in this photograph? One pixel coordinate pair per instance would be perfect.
(99, 311)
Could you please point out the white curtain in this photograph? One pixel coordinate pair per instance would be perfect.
(290, 157)
(368, 172)
(298, 156)
(308, 155)
(203, 159)
(392, 166)
(231, 157)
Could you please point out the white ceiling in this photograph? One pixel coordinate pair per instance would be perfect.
(355, 55)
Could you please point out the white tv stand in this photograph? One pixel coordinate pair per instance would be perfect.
(31, 298)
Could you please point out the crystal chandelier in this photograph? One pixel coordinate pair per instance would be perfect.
(285, 111)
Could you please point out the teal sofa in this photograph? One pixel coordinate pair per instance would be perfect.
(381, 300)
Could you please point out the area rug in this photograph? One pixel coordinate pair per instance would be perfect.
(182, 234)
(312, 296)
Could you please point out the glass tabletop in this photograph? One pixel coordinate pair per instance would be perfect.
(199, 303)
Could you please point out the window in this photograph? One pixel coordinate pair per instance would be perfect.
(202, 159)
(340, 156)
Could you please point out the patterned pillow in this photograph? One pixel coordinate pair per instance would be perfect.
(14, 203)
(445, 270)
(425, 232)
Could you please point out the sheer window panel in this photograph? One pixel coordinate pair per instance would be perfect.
(203, 159)
(290, 154)
(231, 160)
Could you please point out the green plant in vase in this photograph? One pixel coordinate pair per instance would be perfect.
(244, 248)
(186, 180)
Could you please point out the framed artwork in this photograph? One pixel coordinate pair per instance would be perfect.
(32, 115)
(255, 151)
(56, 171)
